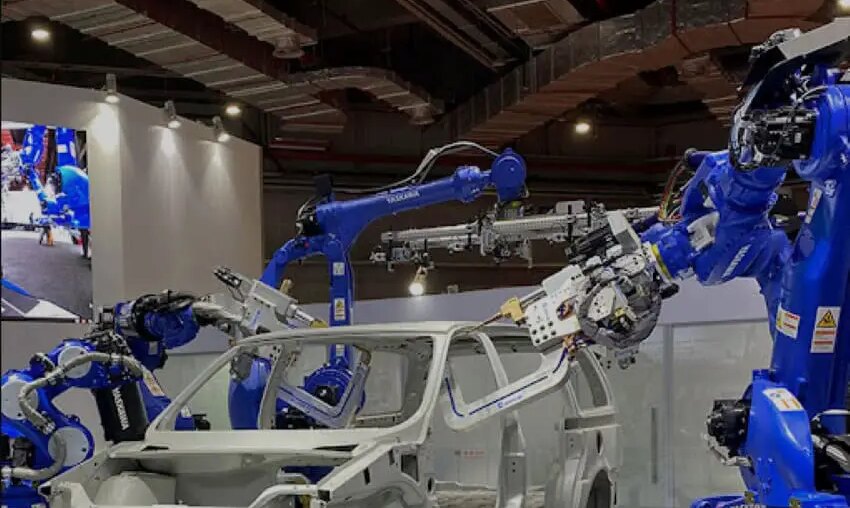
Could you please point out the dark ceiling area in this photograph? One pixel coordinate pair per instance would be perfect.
(601, 97)
(318, 79)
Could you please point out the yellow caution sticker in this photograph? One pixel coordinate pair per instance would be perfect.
(783, 399)
(826, 329)
(827, 320)
(787, 322)
(339, 309)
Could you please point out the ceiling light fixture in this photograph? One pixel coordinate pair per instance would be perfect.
(582, 127)
(233, 110)
(40, 33)
(219, 131)
(111, 89)
(422, 116)
(171, 118)
(287, 47)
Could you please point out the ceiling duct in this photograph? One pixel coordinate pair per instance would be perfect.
(264, 22)
(539, 22)
(718, 92)
(470, 28)
(600, 56)
(215, 54)
(382, 84)
(198, 44)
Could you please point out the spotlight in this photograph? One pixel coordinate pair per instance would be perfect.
(111, 89)
(287, 47)
(40, 34)
(422, 116)
(582, 127)
(417, 286)
(171, 118)
(233, 110)
(220, 134)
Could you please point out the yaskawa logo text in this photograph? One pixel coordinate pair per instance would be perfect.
(402, 196)
(123, 420)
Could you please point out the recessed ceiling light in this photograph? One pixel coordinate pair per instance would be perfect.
(40, 34)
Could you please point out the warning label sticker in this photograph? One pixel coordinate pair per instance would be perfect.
(826, 329)
(152, 383)
(339, 309)
(787, 322)
(783, 399)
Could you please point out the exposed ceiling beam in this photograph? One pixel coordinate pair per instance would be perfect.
(719, 93)
(599, 56)
(493, 29)
(210, 30)
(94, 69)
(446, 28)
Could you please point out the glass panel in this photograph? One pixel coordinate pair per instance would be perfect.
(180, 370)
(639, 399)
(211, 399)
(710, 362)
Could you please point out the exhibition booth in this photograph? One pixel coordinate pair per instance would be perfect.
(167, 206)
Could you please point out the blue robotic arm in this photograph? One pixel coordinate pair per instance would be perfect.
(788, 433)
(725, 231)
(31, 153)
(329, 229)
(115, 362)
(152, 325)
(73, 201)
(70, 207)
(333, 226)
(39, 440)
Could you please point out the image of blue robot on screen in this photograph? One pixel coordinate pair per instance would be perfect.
(46, 223)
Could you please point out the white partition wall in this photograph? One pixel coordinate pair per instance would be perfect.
(167, 206)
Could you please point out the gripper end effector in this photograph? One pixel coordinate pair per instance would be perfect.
(227, 276)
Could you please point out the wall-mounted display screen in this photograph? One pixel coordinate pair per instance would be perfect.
(46, 224)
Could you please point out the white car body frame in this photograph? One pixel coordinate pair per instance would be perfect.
(373, 467)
